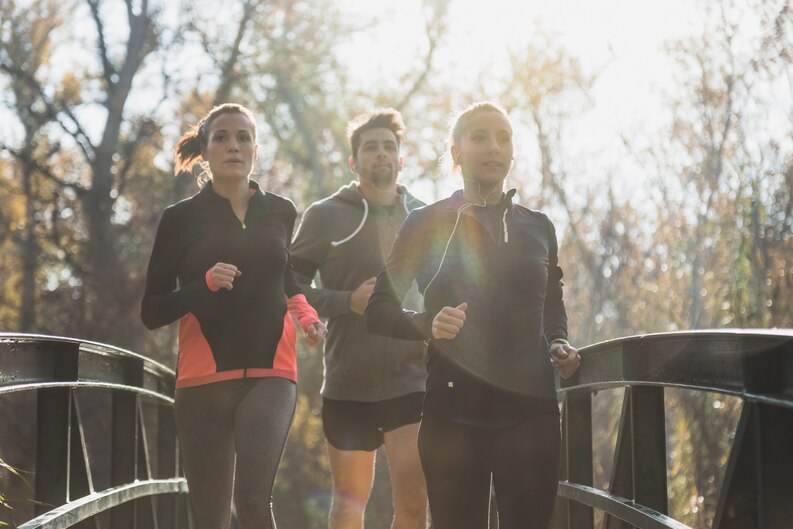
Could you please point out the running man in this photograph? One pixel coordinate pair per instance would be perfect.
(373, 386)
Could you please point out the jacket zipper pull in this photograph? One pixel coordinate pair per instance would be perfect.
(504, 227)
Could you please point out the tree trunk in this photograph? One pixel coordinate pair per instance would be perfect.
(29, 248)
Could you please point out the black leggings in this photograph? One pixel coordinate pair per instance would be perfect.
(246, 418)
(459, 460)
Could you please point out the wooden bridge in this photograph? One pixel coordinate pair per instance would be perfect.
(146, 488)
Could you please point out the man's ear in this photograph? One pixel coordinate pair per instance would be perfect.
(353, 164)
(401, 162)
(455, 153)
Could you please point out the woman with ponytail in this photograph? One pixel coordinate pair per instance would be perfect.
(220, 266)
(496, 327)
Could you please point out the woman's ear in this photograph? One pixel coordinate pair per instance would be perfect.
(455, 155)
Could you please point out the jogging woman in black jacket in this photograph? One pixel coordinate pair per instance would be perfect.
(220, 265)
(496, 325)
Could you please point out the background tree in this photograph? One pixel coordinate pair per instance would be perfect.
(683, 225)
(26, 47)
(90, 188)
(725, 175)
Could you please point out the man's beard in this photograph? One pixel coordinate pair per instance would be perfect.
(382, 179)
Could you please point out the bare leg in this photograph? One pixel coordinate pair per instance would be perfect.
(353, 476)
(407, 478)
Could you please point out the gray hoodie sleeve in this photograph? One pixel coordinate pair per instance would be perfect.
(309, 249)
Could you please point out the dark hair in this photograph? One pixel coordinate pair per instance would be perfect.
(192, 143)
(460, 126)
(380, 118)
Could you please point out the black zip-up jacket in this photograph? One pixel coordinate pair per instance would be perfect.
(502, 261)
(237, 333)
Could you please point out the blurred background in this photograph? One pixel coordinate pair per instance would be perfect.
(657, 135)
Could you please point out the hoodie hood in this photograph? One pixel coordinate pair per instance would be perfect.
(351, 193)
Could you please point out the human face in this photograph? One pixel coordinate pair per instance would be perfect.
(231, 146)
(377, 161)
(484, 150)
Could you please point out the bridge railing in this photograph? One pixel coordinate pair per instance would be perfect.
(756, 366)
(146, 487)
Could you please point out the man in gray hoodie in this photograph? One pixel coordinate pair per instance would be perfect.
(372, 386)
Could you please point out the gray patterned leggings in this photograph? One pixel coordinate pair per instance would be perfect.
(246, 419)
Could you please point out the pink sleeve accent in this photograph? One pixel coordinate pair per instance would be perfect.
(304, 313)
(214, 287)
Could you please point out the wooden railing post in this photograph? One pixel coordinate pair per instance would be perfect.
(53, 413)
(577, 434)
(51, 448)
(167, 466)
(124, 443)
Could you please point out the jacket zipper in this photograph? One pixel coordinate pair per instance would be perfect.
(502, 225)
(503, 229)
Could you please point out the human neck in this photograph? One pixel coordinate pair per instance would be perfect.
(375, 195)
(238, 193)
(477, 193)
(233, 190)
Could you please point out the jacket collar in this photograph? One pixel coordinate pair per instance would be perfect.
(208, 193)
(458, 199)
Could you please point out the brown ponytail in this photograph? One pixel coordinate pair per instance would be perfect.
(188, 149)
(190, 146)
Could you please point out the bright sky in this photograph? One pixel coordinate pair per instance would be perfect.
(623, 40)
(631, 31)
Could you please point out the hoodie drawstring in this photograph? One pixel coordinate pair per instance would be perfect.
(365, 216)
(359, 228)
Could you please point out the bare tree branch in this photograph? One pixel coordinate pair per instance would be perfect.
(54, 109)
(44, 171)
(107, 66)
(434, 27)
(227, 76)
(56, 239)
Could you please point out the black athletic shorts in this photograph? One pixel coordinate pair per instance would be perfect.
(353, 425)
